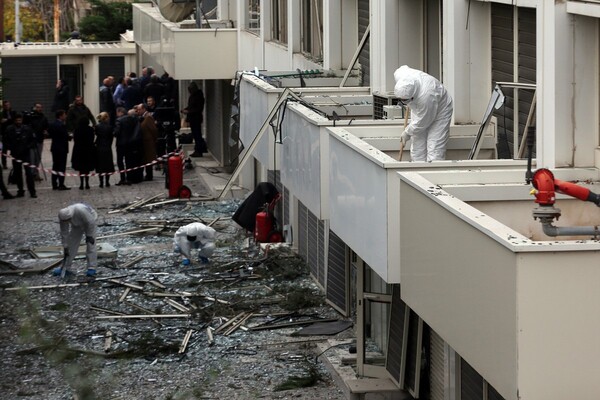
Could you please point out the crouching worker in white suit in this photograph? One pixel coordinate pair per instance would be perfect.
(197, 236)
(76, 221)
(431, 112)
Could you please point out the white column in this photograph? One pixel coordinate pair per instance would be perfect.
(466, 53)
(384, 44)
(293, 29)
(332, 34)
(546, 84)
(349, 29)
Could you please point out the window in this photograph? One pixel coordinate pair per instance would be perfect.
(311, 29)
(253, 16)
(279, 21)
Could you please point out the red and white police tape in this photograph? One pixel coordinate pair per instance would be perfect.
(156, 161)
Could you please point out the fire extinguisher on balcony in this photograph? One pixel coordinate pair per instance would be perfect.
(266, 230)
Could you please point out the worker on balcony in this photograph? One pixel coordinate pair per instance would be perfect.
(431, 113)
(198, 236)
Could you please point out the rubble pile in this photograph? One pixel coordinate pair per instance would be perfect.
(147, 327)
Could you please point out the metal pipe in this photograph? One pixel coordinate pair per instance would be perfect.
(551, 230)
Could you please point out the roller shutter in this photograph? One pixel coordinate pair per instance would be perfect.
(302, 235)
(437, 370)
(471, 383)
(337, 274)
(502, 71)
(364, 57)
(313, 244)
(113, 66)
(397, 337)
(29, 80)
(503, 48)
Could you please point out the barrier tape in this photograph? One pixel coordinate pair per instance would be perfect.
(59, 173)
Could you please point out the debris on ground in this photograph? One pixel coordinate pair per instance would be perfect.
(146, 327)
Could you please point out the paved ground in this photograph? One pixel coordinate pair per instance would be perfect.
(235, 368)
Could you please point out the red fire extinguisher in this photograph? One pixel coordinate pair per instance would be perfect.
(265, 229)
(175, 174)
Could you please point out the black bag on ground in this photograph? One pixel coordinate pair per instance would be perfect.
(245, 215)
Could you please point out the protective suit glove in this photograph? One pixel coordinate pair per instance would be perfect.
(186, 261)
(405, 137)
(90, 240)
(203, 260)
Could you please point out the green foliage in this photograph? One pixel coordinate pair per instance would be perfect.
(107, 21)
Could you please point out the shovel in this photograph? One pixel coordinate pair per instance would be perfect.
(63, 269)
(406, 109)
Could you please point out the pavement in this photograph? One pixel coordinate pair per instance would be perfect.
(205, 181)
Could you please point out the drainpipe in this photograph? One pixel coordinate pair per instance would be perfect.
(545, 188)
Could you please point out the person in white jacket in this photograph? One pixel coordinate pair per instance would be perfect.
(431, 112)
(76, 221)
(198, 236)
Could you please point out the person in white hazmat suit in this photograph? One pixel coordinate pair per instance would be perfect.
(431, 113)
(198, 236)
(77, 221)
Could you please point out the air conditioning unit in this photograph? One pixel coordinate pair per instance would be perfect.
(393, 112)
(383, 99)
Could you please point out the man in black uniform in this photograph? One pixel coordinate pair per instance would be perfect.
(59, 148)
(19, 141)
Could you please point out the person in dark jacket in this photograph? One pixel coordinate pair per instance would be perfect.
(61, 96)
(123, 133)
(149, 136)
(107, 103)
(59, 148)
(104, 155)
(194, 117)
(79, 111)
(154, 89)
(132, 94)
(20, 140)
(83, 157)
(8, 118)
(39, 123)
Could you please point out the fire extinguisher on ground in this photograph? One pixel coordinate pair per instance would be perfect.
(174, 177)
(265, 230)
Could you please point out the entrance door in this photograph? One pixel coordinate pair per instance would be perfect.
(72, 74)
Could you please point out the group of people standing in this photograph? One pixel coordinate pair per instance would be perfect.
(139, 114)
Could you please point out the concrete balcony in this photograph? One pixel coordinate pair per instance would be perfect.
(185, 53)
(520, 307)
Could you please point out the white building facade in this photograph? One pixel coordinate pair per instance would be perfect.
(441, 265)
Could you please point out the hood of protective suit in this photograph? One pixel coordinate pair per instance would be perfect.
(192, 231)
(405, 89)
(65, 214)
(407, 82)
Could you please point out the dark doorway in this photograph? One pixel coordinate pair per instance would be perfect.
(72, 74)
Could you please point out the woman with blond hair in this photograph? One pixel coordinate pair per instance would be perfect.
(104, 154)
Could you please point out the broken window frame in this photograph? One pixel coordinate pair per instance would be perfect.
(252, 20)
(279, 24)
(311, 29)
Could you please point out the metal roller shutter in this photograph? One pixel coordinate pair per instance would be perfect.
(437, 369)
(114, 66)
(337, 274)
(30, 80)
(471, 383)
(321, 252)
(503, 47)
(502, 71)
(397, 337)
(313, 244)
(302, 231)
(527, 62)
(364, 57)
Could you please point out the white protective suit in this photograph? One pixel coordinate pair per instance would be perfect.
(76, 221)
(205, 240)
(431, 113)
